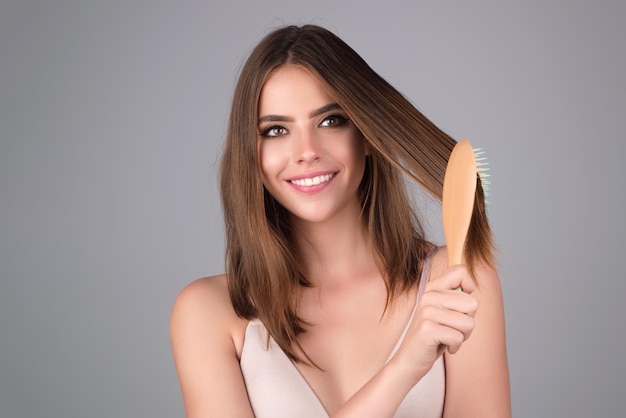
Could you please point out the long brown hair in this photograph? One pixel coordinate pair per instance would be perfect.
(262, 261)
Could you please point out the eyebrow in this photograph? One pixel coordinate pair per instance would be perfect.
(316, 112)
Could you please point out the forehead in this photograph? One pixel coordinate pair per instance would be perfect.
(291, 89)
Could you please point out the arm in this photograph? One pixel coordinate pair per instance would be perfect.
(477, 381)
(443, 321)
(202, 326)
(477, 376)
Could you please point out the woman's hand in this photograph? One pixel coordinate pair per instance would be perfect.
(477, 380)
(444, 319)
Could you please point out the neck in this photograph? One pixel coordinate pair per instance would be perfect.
(337, 250)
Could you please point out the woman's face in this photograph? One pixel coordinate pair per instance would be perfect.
(312, 157)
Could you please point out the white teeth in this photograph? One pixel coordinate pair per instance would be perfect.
(313, 181)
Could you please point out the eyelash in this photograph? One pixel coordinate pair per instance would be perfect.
(340, 121)
(266, 132)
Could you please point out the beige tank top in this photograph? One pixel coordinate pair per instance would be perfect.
(276, 388)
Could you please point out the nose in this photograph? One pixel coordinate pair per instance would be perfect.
(306, 147)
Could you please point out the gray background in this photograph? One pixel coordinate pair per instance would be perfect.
(112, 115)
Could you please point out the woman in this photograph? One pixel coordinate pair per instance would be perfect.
(334, 303)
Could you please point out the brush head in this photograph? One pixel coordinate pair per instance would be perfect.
(484, 172)
(459, 189)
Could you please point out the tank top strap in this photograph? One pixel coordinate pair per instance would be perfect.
(422, 285)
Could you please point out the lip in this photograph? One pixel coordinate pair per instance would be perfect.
(314, 188)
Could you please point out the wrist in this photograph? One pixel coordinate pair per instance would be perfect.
(407, 375)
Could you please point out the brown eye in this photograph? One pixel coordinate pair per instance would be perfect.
(333, 121)
(274, 131)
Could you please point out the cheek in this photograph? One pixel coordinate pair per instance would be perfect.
(270, 161)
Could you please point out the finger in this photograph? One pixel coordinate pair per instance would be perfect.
(459, 302)
(433, 319)
(450, 300)
(453, 278)
(449, 339)
(468, 284)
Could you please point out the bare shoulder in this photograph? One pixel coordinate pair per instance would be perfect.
(206, 293)
(206, 336)
(205, 306)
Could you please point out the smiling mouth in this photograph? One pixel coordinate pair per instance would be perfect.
(312, 181)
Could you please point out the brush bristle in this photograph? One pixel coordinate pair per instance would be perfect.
(482, 167)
